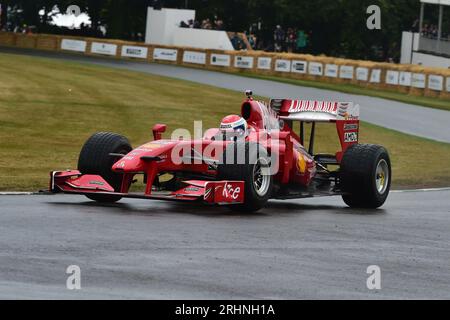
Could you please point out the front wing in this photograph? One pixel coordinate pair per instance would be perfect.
(210, 192)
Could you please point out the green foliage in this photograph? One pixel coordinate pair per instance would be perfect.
(337, 27)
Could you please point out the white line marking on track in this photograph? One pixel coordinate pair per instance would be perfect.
(16, 193)
(421, 190)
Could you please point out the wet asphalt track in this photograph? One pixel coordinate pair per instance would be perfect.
(305, 249)
(411, 119)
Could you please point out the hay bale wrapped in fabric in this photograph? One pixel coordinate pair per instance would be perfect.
(26, 41)
(436, 86)
(47, 42)
(7, 39)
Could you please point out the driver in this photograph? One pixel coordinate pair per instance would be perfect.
(234, 126)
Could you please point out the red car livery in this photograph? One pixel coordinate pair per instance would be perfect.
(270, 160)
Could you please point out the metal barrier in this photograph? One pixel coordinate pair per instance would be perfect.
(441, 47)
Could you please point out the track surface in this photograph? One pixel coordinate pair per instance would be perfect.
(315, 248)
(411, 119)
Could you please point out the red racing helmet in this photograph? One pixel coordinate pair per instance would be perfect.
(234, 125)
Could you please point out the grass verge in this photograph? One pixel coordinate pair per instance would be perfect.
(49, 108)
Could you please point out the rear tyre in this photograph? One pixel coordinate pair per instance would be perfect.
(95, 159)
(254, 170)
(365, 176)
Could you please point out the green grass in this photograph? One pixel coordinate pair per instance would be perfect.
(443, 104)
(49, 108)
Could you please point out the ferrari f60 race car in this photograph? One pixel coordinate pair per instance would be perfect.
(242, 170)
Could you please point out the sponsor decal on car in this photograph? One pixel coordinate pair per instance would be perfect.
(191, 189)
(229, 192)
(350, 126)
(351, 137)
(313, 106)
(301, 163)
(98, 183)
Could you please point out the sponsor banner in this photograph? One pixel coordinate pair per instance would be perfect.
(436, 82)
(264, 63)
(73, 45)
(362, 74)
(194, 57)
(134, 52)
(448, 84)
(283, 65)
(315, 68)
(165, 54)
(331, 70)
(375, 76)
(418, 80)
(223, 60)
(346, 72)
(243, 62)
(405, 79)
(104, 48)
(392, 77)
(299, 66)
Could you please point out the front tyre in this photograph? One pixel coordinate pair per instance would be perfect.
(365, 176)
(248, 162)
(95, 159)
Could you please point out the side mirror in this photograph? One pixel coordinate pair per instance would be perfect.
(158, 130)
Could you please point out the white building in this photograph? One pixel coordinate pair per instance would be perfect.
(163, 29)
(418, 48)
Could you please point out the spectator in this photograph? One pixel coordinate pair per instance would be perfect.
(206, 24)
(279, 38)
(237, 42)
(291, 40)
(252, 40)
(218, 25)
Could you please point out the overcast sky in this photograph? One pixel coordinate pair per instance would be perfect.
(67, 20)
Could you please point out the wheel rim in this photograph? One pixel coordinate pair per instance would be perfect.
(261, 181)
(382, 176)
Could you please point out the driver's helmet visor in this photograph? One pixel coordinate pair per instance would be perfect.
(238, 131)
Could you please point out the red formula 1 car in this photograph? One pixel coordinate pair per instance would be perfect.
(250, 159)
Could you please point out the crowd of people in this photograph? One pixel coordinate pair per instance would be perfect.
(285, 41)
(432, 32)
(206, 24)
(280, 41)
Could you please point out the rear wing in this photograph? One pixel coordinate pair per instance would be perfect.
(344, 114)
(314, 111)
